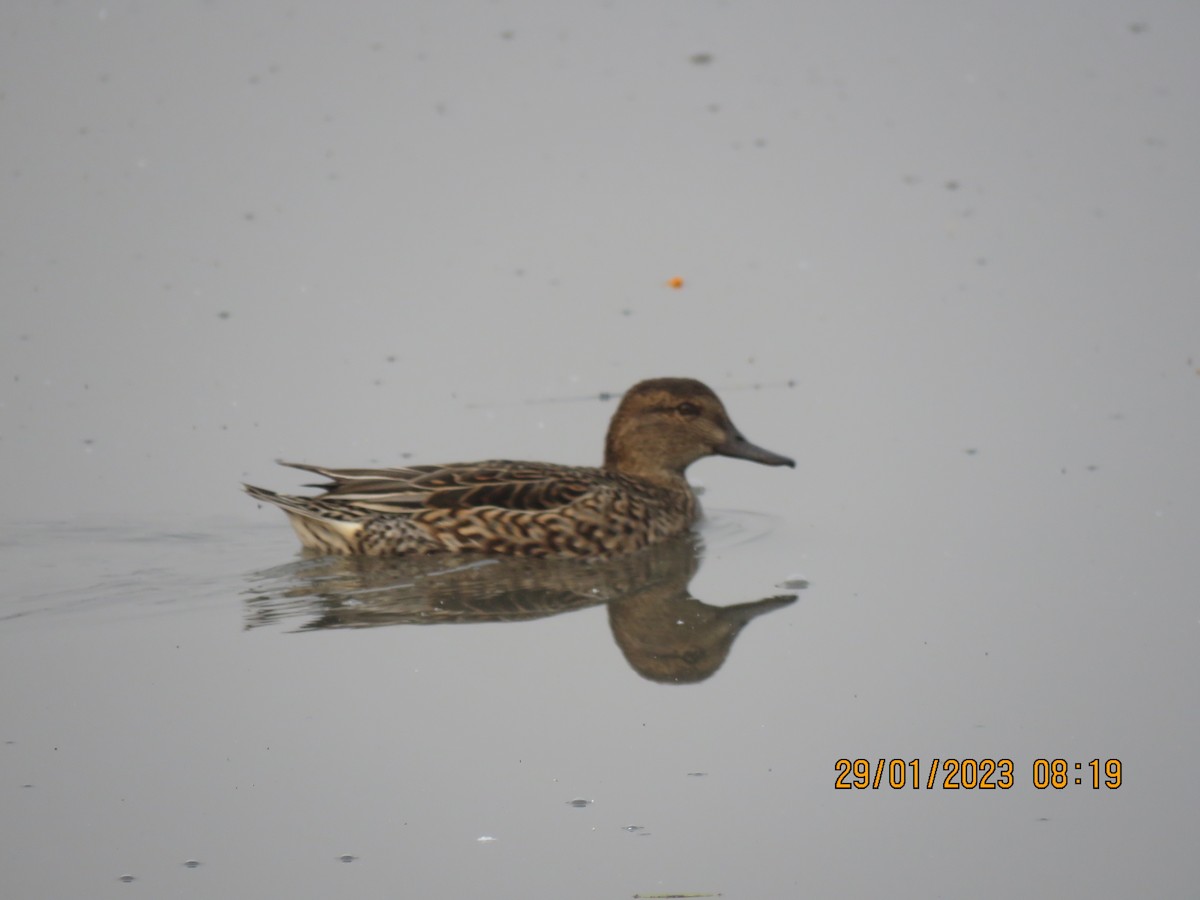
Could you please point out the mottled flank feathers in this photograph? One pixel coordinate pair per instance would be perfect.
(638, 497)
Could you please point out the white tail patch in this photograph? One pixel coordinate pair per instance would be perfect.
(326, 535)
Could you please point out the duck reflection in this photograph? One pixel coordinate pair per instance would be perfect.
(665, 633)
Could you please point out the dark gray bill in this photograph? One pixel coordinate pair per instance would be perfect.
(737, 446)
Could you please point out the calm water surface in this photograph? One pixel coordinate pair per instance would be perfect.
(213, 714)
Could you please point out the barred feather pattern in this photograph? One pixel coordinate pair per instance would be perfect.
(496, 506)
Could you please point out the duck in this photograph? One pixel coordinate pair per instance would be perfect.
(639, 497)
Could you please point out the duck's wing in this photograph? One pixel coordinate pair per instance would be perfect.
(344, 477)
(504, 484)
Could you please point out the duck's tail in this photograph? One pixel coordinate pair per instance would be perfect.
(319, 526)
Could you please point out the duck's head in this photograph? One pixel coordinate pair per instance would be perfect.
(665, 424)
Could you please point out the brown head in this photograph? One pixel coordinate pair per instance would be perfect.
(665, 424)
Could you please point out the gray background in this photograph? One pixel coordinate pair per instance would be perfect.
(954, 245)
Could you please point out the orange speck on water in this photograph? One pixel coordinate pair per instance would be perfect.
(675, 282)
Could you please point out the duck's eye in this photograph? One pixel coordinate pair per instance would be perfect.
(688, 410)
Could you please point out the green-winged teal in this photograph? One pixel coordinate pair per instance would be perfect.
(638, 497)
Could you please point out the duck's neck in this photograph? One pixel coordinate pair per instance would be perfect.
(643, 468)
(612, 453)
(633, 449)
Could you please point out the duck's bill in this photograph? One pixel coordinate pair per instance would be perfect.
(740, 448)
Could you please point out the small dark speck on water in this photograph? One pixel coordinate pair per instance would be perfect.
(224, 314)
(952, 185)
(604, 395)
(347, 858)
(192, 864)
(971, 451)
(579, 803)
(697, 774)
(126, 878)
(700, 59)
(1139, 27)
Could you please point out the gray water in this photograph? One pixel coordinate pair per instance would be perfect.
(945, 258)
